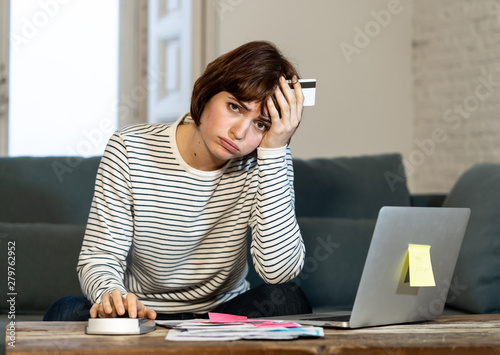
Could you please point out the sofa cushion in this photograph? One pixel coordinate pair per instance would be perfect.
(476, 281)
(336, 250)
(350, 187)
(45, 263)
(52, 189)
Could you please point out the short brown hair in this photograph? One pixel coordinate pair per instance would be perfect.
(249, 72)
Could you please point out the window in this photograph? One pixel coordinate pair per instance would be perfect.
(63, 76)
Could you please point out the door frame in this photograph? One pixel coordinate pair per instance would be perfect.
(133, 60)
(4, 75)
(182, 40)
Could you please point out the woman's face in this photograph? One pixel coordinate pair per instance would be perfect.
(230, 128)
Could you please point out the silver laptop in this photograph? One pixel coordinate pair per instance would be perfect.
(384, 294)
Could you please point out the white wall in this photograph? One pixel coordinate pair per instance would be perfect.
(363, 106)
(457, 101)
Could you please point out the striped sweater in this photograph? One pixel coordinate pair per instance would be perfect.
(176, 236)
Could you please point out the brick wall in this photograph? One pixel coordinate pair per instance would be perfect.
(456, 63)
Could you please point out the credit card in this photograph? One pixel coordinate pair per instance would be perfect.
(309, 91)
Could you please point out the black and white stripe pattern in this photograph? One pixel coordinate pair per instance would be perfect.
(176, 236)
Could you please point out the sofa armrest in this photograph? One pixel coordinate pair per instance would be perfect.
(45, 264)
(427, 200)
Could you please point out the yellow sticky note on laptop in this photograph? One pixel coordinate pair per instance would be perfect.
(420, 266)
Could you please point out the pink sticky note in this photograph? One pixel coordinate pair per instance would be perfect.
(222, 317)
(276, 324)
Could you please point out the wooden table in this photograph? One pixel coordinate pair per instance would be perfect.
(472, 334)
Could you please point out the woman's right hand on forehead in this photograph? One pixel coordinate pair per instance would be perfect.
(290, 101)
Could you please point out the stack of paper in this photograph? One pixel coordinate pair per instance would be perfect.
(221, 327)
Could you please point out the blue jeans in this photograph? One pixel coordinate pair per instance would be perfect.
(261, 301)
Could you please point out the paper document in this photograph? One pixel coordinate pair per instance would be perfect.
(221, 327)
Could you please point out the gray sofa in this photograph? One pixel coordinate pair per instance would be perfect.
(45, 202)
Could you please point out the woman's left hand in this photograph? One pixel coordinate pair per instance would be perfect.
(290, 102)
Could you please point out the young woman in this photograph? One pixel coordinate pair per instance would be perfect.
(174, 203)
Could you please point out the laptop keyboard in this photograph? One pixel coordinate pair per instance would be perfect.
(344, 318)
